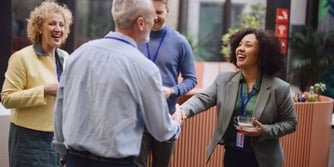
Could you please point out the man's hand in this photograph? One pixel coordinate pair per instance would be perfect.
(178, 115)
(168, 91)
(51, 89)
(63, 160)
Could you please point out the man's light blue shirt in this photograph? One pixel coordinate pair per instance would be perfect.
(108, 92)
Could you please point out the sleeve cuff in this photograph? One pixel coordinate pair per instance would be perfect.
(59, 147)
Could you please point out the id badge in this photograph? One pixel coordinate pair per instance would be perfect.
(240, 140)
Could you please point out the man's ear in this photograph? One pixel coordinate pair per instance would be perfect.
(140, 22)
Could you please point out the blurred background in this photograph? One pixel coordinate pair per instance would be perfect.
(305, 28)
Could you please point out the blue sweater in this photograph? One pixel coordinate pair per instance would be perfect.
(173, 57)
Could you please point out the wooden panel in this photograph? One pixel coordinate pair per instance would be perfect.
(309, 146)
(296, 145)
(191, 147)
(196, 134)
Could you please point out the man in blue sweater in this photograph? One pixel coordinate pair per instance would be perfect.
(171, 52)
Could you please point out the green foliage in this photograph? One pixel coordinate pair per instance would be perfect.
(330, 5)
(319, 88)
(311, 56)
(254, 19)
(226, 48)
(195, 45)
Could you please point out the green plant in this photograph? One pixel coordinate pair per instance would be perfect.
(311, 56)
(195, 45)
(313, 93)
(225, 43)
(253, 19)
(319, 88)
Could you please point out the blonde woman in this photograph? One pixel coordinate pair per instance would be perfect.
(30, 87)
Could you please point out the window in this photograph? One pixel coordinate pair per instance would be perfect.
(211, 27)
(20, 14)
(93, 20)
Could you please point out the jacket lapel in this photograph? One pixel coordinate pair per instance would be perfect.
(230, 96)
(263, 97)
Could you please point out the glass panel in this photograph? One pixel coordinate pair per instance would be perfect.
(20, 13)
(93, 20)
(210, 29)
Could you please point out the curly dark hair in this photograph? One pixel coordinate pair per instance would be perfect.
(271, 60)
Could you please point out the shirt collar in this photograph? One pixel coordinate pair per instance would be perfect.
(122, 36)
(158, 33)
(38, 49)
(40, 52)
(257, 84)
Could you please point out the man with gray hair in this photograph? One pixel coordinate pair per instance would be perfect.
(109, 92)
(172, 54)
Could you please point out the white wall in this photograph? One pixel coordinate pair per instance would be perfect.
(4, 130)
(173, 17)
(298, 12)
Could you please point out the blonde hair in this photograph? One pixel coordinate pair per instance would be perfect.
(39, 14)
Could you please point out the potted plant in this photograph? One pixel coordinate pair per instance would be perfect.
(313, 94)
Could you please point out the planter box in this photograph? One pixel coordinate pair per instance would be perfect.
(309, 146)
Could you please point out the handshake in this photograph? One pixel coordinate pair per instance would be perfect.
(179, 115)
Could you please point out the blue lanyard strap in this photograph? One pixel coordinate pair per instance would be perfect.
(157, 51)
(59, 67)
(58, 72)
(244, 102)
(121, 40)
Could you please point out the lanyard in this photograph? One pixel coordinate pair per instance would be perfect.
(244, 102)
(157, 51)
(59, 67)
(121, 40)
(58, 72)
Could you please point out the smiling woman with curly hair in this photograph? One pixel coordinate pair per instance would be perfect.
(270, 58)
(252, 91)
